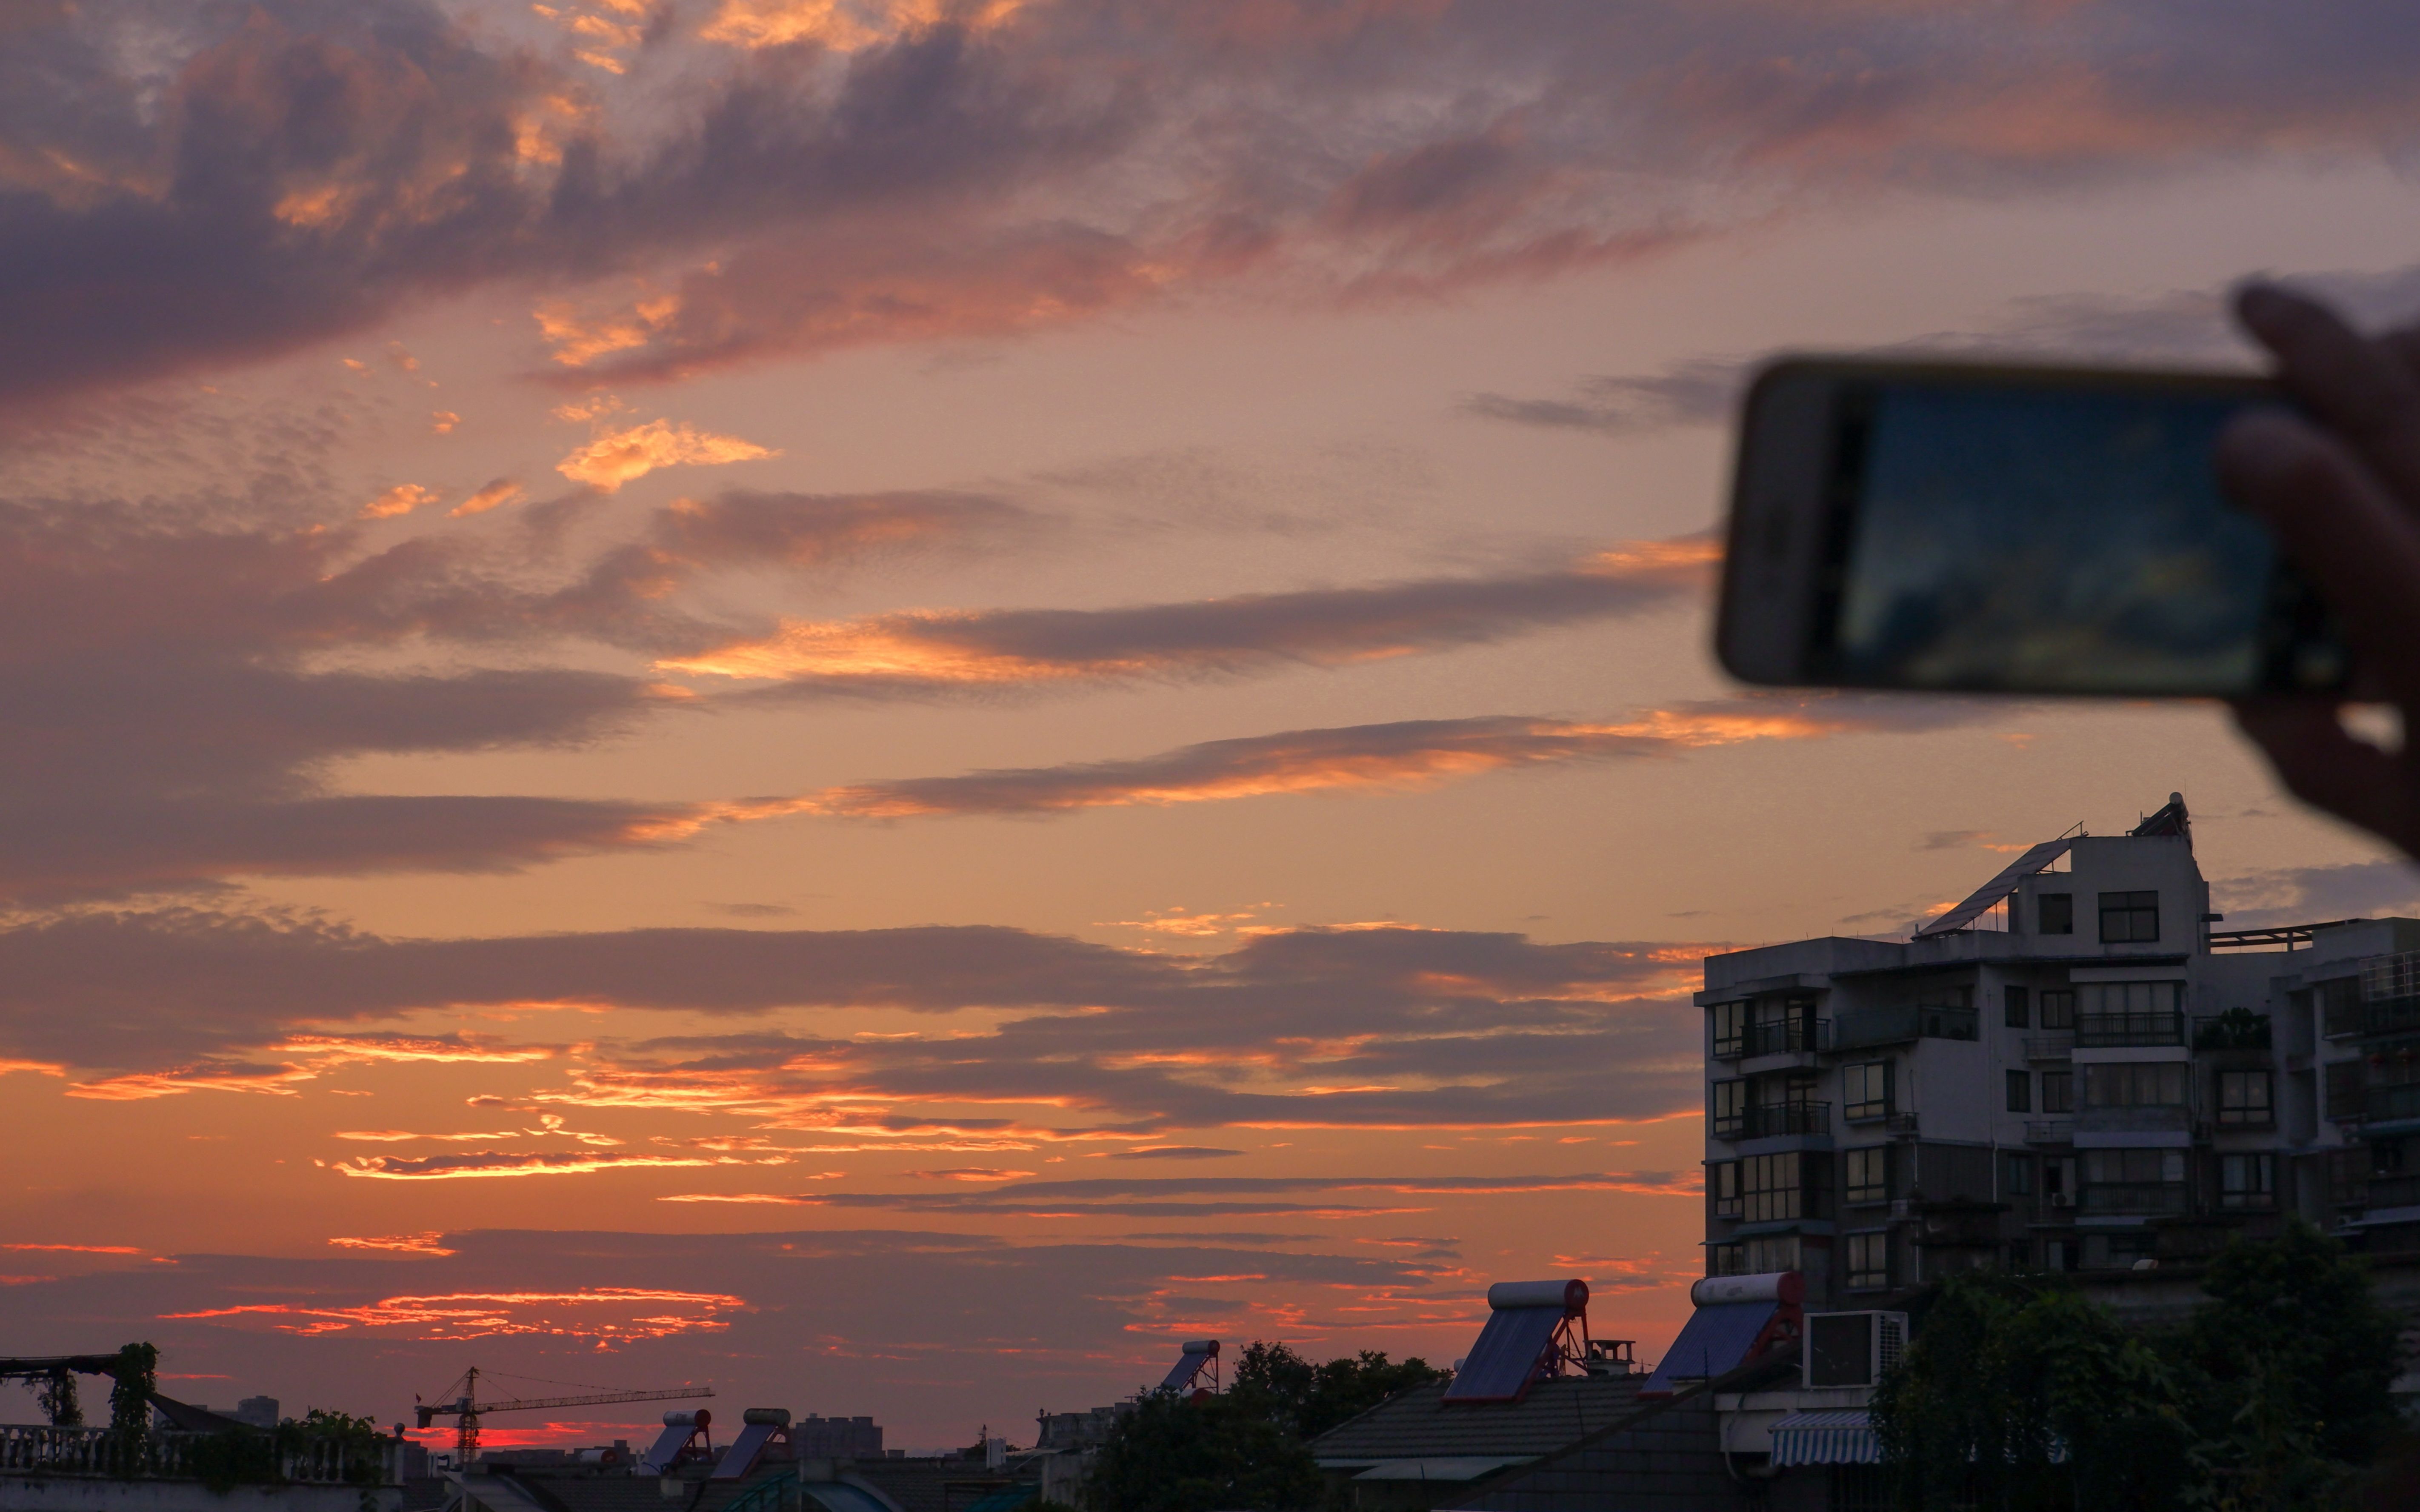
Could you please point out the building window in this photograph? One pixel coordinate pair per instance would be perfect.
(1776, 1188)
(1868, 1177)
(2340, 1005)
(1725, 1260)
(2344, 1089)
(2129, 917)
(2021, 1089)
(2136, 1168)
(2013, 1007)
(1865, 1091)
(2149, 1181)
(2247, 1180)
(2057, 913)
(2058, 1180)
(2134, 1085)
(2058, 1092)
(2244, 1098)
(1729, 1108)
(1730, 1029)
(2058, 1008)
(1869, 1261)
(2118, 1251)
(1774, 1252)
(2016, 1173)
(2348, 1176)
(1722, 1184)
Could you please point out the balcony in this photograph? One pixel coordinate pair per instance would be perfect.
(2050, 1046)
(2110, 1031)
(2385, 1191)
(2387, 1016)
(1893, 1025)
(2237, 1028)
(2396, 1103)
(2148, 1117)
(2135, 1197)
(1783, 1118)
(2051, 1132)
(1787, 1036)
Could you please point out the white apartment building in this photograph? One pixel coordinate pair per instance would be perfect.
(2070, 1070)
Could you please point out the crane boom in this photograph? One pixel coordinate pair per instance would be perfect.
(466, 1410)
(591, 1401)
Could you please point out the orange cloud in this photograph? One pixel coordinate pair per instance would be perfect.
(139, 1085)
(78, 1249)
(423, 1242)
(400, 500)
(844, 25)
(467, 1050)
(617, 457)
(443, 422)
(969, 1173)
(504, 1163)
(494, 495)
(1328, 627)
(468, 1315)
(41, 1068)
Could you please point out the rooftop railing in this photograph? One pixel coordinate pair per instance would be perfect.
(174, 1455)
(2151, 1026)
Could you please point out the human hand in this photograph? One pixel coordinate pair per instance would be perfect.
(2341, 489)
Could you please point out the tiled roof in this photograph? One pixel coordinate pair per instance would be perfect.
(1419, 1424)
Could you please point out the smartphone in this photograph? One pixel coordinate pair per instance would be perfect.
(1981, 527)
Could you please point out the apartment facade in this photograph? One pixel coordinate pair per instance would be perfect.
(2073, 1069)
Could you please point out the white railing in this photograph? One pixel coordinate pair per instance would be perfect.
(170, 1454)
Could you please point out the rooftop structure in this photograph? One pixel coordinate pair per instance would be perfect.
(2070, 1070)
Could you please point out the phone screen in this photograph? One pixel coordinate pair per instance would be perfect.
(2051, 538)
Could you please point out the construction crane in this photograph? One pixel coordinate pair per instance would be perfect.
(461, 1402)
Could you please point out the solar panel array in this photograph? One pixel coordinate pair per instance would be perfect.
(1194, 1358)
(678, 1430)
(1506, 1358)
(1714, 1340)
(1998, 888)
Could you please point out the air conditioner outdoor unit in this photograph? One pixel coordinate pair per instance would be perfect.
(2062, 1199)
(1852, 1348)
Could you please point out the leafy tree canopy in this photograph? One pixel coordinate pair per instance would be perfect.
(2018, 1393)
(1171, 1454)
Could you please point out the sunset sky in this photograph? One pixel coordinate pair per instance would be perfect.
(886, 701)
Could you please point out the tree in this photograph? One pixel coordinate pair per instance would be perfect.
(59, 1403)
(2021, 1393)
(1309, 1399)
(1171, 1454)
(2018, 1395)
(134, 1378)
(2292, 1327)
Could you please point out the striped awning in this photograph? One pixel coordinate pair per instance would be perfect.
(1844, 1437)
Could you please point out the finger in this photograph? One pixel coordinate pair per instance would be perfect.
(2338, 526)
(2403, 344)
(2355, 386)
(2329, 769)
